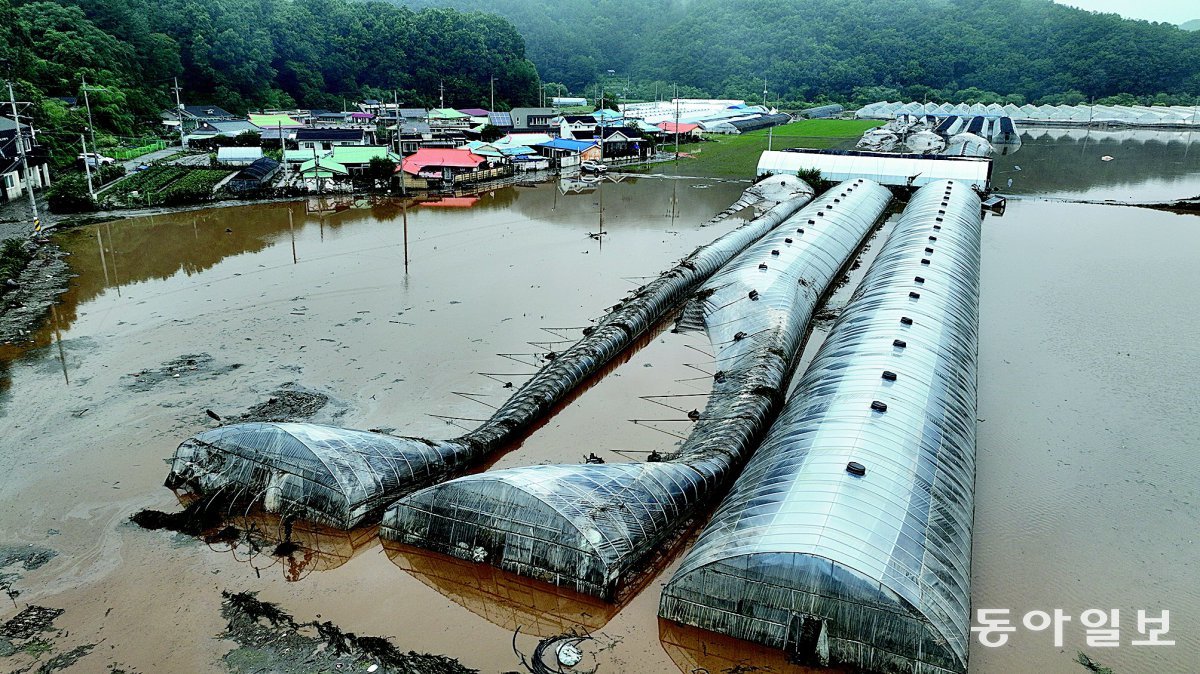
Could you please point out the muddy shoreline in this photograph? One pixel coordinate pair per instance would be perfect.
(38, 287)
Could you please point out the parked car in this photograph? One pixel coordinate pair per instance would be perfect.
(591, 166)
(95, 159)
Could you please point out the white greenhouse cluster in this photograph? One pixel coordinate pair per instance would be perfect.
(1175, 116)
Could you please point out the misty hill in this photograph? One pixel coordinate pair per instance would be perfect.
(1194, 24)
(1033, 48)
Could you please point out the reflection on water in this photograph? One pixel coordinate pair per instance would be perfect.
(504, 599)
(1146, 166)
(697, 651)
(298, 548)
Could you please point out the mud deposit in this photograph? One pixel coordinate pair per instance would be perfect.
(183, 369)
(271, 640)
(285, 404)
(23, 308)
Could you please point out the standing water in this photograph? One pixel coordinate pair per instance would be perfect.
(1085, 495)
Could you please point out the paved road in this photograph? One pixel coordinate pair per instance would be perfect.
(147, 158)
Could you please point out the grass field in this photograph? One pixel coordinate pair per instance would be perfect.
(737, 156)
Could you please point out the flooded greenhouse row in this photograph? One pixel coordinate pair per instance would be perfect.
(420, 320)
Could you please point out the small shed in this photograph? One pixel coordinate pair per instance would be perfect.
(238, 156)
(255, 176)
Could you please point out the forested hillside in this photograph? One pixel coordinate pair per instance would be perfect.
(243, 54)
(1032, 49)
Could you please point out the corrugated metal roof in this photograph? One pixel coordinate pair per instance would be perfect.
(330, 134)
(569, 145)
(452, 157)
(274, 121)
(361, 154)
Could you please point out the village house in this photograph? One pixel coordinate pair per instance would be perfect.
(446, 118)
(206, 131)
(325, 139)
(11, 176)
(443, 163)
(625, 142)
(685, 131)
(356, 159)
(533, 120)
(577, 126)
(501, 120)
(274, 121)
(318, 174)
(563, 152)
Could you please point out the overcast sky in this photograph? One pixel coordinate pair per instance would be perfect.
(1171, 11)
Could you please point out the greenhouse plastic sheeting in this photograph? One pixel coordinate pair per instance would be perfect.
(1138, 116)
(870, 571)
(589, 526)
(340, 476)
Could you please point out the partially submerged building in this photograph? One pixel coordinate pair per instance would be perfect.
(846, 540)
(900, 170)
(340, 476)
(254, 177)
(591, 527)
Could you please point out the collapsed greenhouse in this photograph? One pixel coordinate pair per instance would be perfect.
(847, 538)
(340, 477)
(1157, 116)
(590, 526)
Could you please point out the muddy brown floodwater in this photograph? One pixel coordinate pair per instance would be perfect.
(1086, 494)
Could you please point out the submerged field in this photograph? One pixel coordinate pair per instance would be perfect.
(370, 314)
(737, 156)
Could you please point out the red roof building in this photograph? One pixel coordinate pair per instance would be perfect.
(681, 129)
(431, 162)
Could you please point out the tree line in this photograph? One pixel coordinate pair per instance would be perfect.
(249, 54)
(812, 50)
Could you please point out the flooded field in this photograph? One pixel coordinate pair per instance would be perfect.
(1085, 495)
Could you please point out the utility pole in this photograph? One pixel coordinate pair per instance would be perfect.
(601, 120)
(87, 169)
(442, 93)
(493, 84)
(676, 124)
(87, 102)
(178, 115)
(12, 99)
(283, 155)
